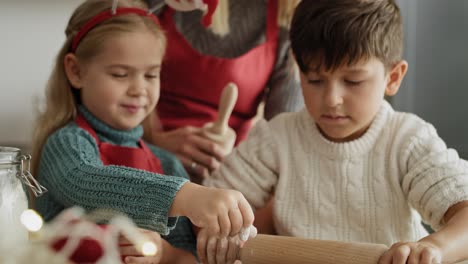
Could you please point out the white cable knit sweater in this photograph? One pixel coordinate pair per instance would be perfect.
(367, 190)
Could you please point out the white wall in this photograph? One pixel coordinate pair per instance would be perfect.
(436, 86)
(31, 33)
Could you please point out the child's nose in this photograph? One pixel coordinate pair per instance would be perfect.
(333, 96)
(137, 87)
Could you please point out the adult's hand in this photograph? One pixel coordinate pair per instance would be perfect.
(199, 155)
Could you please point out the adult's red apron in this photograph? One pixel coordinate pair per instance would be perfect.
(89, 250)
(191, 83)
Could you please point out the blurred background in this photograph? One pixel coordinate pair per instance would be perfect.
(31, 35)
(436, 48)
(436, 87)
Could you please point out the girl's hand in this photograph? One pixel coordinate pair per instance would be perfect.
(134, 256)
(221, 212)
(199, 155)
(412, 253)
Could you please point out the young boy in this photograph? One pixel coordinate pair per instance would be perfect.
(348, 167)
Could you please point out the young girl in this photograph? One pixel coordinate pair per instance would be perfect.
(348, 167)
(88, 149)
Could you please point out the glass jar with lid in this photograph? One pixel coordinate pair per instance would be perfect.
(15, 180)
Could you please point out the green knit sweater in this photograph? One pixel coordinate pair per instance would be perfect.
(71, 169)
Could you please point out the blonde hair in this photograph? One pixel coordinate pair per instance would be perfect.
(61, 99)
(220, 24)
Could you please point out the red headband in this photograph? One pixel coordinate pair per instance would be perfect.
(101, 17)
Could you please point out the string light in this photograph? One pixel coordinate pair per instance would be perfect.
(31, 220)
(75, 225)
(149, 249)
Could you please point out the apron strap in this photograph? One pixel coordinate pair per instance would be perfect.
(82, 123)
(272, 23)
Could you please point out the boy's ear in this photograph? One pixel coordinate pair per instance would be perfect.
(72, 70)
(395, 77)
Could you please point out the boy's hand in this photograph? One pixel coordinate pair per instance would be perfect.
(134, 256)
(212, 250)
(412, 253)
(221, 212)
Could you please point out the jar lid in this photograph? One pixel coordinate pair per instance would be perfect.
(9, 155)
(12, 157)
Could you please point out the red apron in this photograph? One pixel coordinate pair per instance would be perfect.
(89, 250)
(191, 83)
(138, 158)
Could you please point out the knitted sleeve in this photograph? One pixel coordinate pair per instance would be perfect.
(182, 235)
(252, 168)
(436, 178)
(71, 169)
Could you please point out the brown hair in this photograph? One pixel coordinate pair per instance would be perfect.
(61, 101)
(330, 33)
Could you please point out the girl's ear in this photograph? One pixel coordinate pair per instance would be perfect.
(72, 70)
(395, 77)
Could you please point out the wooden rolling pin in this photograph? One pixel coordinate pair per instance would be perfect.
(219, 130)
(267, 249)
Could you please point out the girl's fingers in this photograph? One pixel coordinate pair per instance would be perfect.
(385, 258)
(224, 225)
(213, 227)
(413, 257)
(247, 213)
(401, 254)
(427, 259)
(235, 217)
(428, 255)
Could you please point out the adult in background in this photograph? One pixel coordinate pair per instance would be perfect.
(247, 44)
